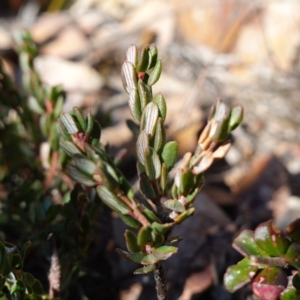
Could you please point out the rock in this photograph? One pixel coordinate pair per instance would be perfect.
(289, 212)
(142, 17)
(272, 37)
(5, 39)
(196, 283)
(76, 77)
(91, 20)
(132, 293)
(205, 236)
(218, 22)
(49, 25)
(69, 43)
(257, 187)
(187, 137)
(116, 136)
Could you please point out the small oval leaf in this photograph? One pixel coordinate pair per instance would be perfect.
(155, 74)
(69, 123)
(132, 55)
(169, 154)
(135, 105)
(147, 188)
(79, 176)
(152, 164)
(161, 104)
(150, 117)
(144, 236)
(144, 270)
(112, 200)
(174, 205)
(239, 275)
(128, 75)
(131, 241)
(141, 145)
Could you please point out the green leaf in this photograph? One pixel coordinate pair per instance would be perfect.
(112, 200)
(28, 279)
(135, 257)
(135, 129)
(24, 250)
(296, 281)
(155, 74)
(271, 239)
(221, 130)
(58, 106)
(184, 181)
(141, 145)
(239, 275)
(16, 261)
(149, 259)
(130, 221)
(164, 177)
(6, 265)
(35, 106)
(245, 244)
(89, 122)
(79, 176)
(70, 148)
(132, 55)
(219, 111)
(169, 154)
(144, 270)
(174, 239)
(95, 134)
(292, 255)
(191, 197)
(151, 216)
(290, 293)
(131, 241)
(149, 118)
(146, 187)
(153, 54)
(183, 216)
(174, 191)
(37, 288)
(128, 76)
(144, 236)
(63, 131)
(158, 239)
(271, 282)
(236, 117)
(145, 94)
(110, 175)
(77, 112)
(174, 205)
(85, 165)
(69, 123)
(162, 228)
(144, 60)
(2, 282)
(293, 230)
(164, 252)
(160, 136)
(135, 105)
(152, 164)
(162, 106)
(161, 253)
(204, 163)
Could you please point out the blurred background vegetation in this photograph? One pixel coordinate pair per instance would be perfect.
(242, 51)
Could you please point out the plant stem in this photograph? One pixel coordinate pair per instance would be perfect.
(159, 276)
